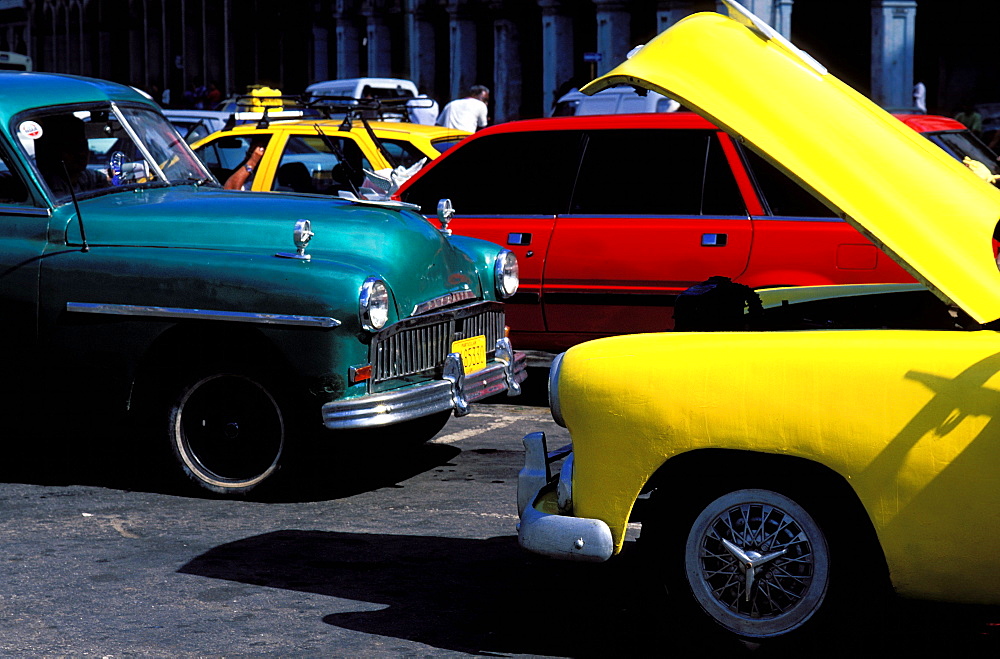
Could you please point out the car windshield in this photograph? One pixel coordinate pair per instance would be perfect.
(962, 143)
(108, 147)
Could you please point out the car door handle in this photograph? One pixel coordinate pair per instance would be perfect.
(714, 239)
(518, 238)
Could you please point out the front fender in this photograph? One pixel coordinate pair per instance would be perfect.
(905, 417)
(483, 253)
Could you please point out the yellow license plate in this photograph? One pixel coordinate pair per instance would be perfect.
(473, 351)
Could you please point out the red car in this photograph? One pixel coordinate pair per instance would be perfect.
(612, 216)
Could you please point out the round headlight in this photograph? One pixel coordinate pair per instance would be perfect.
(374, 304)
(506, 273)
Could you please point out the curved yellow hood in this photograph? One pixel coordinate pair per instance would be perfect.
(927, 210)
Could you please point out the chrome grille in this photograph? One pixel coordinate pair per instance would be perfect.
(418, 345)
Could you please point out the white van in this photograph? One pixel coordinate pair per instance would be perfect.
(14, 61)
(361, 87)
(383, 89)
(616, 100)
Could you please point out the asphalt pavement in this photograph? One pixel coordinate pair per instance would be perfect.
(386, 553)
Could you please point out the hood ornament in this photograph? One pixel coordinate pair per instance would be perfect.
(301, 236)
(445, 212)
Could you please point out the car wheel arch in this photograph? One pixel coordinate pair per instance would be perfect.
(182, 345)
(190, 358)
(717, 468)
(686, 484)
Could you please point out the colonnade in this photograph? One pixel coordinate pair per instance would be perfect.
(525, 50)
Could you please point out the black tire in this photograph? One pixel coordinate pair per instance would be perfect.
(227, 431)
(757, 563)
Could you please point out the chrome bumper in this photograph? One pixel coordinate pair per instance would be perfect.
(453, 392)
(542, 529)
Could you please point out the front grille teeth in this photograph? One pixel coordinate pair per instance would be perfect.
(419, 345)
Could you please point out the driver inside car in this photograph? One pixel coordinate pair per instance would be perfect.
(62, 154)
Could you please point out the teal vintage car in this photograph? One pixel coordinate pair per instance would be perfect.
(231, 325)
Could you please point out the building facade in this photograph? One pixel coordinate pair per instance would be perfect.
(527, 51)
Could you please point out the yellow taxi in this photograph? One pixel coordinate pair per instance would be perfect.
(320, 155)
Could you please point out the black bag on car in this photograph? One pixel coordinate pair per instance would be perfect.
(716, 305)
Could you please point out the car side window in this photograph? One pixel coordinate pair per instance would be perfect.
(224, 155)
(193, 131)
(404, 153)
(656, 172)
(312, 163)
(526, 173)
(12, 188)
(783, 196)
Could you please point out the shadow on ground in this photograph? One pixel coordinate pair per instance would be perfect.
(489, 596)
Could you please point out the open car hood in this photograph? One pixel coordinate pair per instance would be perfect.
(925, 209)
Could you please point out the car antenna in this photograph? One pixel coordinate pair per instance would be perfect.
(76, 206)
(337, 151)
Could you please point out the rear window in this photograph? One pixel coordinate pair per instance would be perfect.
(686, 174)
(783, 196)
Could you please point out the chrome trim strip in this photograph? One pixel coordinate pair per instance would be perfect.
(443, 301)
(796, 218)
(150, 160)
(24, 211)
(202, 314)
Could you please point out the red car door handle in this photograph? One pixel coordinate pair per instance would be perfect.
(518, 238)
(714, 239)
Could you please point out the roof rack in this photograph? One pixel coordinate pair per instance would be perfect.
(264, 109)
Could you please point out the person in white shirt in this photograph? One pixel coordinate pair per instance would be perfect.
(467, 113)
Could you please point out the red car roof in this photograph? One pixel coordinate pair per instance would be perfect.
(929, 123)
(923, 123)
(604, 121)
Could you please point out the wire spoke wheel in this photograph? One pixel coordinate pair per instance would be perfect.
(757, 563)
(228, 432)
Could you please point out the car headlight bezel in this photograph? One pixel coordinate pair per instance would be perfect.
(373, 304)
(506, 273)
(564, 488)
(555, 404)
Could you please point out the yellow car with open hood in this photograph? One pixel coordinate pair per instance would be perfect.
(835, 441)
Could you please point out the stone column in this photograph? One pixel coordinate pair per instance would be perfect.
(320, 45)
(461, 50)
(379, 46)
(506, 95)
(557, 50)
(783, 17)
(671, 11)
(614, 39)
(893, 23)
(348, 40)
(420, 46)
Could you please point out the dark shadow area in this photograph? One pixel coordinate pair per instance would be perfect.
(534, 391)
(489, 596)
(116, 458)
